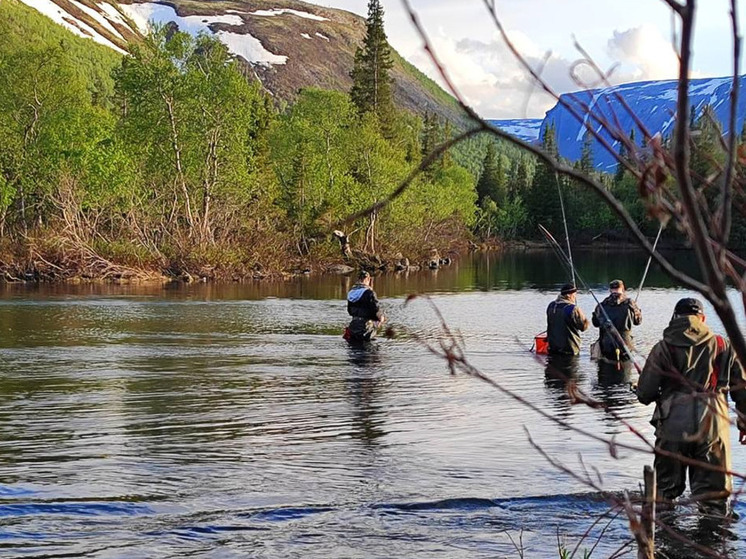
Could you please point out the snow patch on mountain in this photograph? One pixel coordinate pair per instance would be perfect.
(98, 16)
(322, 36)
(249, 48)
(526, 129)
(654, 103)
(68, 21)
(280, 11)
(142, 14)
(114, 16)
(241, 44)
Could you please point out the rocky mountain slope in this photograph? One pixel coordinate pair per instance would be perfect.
(654, 102)
(289, 44)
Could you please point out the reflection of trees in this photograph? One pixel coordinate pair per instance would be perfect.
(538, 267)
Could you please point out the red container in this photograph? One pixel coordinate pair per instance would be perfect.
(541, 344)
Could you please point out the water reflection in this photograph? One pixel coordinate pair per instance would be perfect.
(683, 533)
(365, 388)
(561, 376)
(614, 380)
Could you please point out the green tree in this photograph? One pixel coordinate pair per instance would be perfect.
(542, 199)
(492, 180)
(371, 81)
(196, 125)
(47, 123)
(585, 163)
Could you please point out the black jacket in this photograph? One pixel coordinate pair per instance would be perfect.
(623, 313)
(363, 303)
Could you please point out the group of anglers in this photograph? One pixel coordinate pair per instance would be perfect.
(688, 375)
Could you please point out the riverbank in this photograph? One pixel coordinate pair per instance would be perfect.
(56, 258)
(53, 258)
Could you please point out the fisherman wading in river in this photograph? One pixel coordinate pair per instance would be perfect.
(565, 322)
(614, 317)
(689, 375)
(365, 310)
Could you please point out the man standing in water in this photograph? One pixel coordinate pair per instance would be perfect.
(614, 318)
(687, 375)
(365, 310)
(565, 322)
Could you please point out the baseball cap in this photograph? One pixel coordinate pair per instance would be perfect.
(689, 305)
(616, 284)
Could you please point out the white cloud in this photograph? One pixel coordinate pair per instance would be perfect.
(644, 53)
(634, 33)
(492, 81)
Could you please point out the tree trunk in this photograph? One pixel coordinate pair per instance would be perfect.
(177, 158)
(344, 244)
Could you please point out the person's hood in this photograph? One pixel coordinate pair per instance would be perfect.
(357, 292)
(686, 331)
(615, 299)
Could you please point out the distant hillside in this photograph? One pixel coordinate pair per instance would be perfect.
(289, 44)
(24, 28)
(653, 102)
(526, 129)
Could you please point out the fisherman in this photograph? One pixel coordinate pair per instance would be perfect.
(687, 375)
(365, 310)
(565, 322)
(614, 317)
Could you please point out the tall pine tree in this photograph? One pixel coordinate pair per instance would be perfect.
(492, 181)
(371, 82)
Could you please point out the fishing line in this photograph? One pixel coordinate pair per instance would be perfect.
(650, 259)
(560, 252)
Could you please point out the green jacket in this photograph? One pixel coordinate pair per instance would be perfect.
(679, 375)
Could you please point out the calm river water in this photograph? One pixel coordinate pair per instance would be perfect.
(233, 421)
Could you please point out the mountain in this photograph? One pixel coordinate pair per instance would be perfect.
(653, 102)
(288, 44)
(526, 129)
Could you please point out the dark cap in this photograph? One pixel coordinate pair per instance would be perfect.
(689, 305)
(363, 275)
(568, 288)
(616, 284)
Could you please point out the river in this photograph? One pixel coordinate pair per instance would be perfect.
(232, 420)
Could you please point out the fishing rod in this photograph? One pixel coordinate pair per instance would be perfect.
(607, 320)
(564, 221)
(650, 259)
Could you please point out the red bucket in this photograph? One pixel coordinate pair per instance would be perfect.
(541, 344)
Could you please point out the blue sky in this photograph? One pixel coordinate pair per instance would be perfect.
(634, 35)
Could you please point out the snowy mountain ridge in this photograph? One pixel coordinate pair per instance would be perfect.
(288, 44)
(654, 102)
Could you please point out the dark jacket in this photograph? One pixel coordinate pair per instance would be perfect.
(623, 313)
(565, 322)
(366, 313)
(363, 303)
(680, 372)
